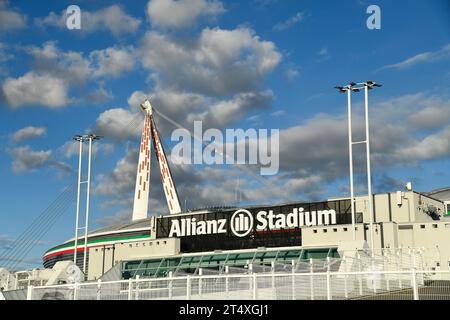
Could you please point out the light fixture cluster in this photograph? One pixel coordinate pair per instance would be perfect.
(357, 87)
(87, 137)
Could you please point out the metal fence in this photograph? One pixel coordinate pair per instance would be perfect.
(374, 285)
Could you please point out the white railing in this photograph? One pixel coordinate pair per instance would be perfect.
(385, 285)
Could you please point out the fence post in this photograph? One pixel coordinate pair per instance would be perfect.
(386, 275)
(360, 275)
(293, 279)
(170, 284)
(75, 291)
(328, 285)
(345, 278)
(311, 277)
(130, 288)
(30, 293)
(415, 289)
(188, 288)
(136, 293)
(254, 286)
(200, 282)
(272, 264)
(7, 282)
(99, 287)
(399, 269)
(227, 280)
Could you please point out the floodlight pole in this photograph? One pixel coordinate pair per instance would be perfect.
(87, 205)
(368, 85)
(350, 155)
(90, 138)
(80, 139)
(369, 173)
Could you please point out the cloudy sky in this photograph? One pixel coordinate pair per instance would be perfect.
(268, 64)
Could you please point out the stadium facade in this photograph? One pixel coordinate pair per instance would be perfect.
(158, 245)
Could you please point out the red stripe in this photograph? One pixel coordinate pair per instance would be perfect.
(80, 249)
(278, 231)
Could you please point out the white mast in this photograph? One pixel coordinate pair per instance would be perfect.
(142, 187)
(168, 185)
(149, 132)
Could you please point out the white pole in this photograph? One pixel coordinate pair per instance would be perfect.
(87, 205)
(369, 173)
(200, 273)
(227, 280)
(30, 293)
(328, 285)
(170, 284)
(188, 288)
(311, 278)
(293, 279)
(130, 288)
(255, 287)
(78, 203)
(414, 283)
(99, 288)
(350, 155)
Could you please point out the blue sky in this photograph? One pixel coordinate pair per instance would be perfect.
(262, 63)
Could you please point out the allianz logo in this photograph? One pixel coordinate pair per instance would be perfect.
(242, 222)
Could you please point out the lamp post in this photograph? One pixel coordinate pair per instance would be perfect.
(81, 139)
(356, 87)
(349, 89)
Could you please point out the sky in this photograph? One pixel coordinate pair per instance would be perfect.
(263, 64)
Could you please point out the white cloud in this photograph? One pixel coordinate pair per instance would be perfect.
(4, 55)
(56, 71)
(119, 124)
(290, 22)
(26, 159)
(10, 19)
(68, 65)
(120, 182)
(34, 89)
(434, 146)
(111, 18)
(28, 133)
(432, 113)
(112, 61)
(219, 62)
(217, 78)
(292, 73)
(323, 54)
(100, 95)
(72, 148)
(425, 57)
(181, 13)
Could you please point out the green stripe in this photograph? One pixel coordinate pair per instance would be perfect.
(81, 242)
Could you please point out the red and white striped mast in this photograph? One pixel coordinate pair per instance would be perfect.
(142, 188)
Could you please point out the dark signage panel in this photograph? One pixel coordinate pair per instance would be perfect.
(227, 240)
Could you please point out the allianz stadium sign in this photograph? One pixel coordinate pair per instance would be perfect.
(242, 222)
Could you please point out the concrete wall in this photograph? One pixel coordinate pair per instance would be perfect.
(404, 207)
(103, 258)
(330, 235)
(433, 236)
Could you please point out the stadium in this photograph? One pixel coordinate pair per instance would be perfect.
(408, 230)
